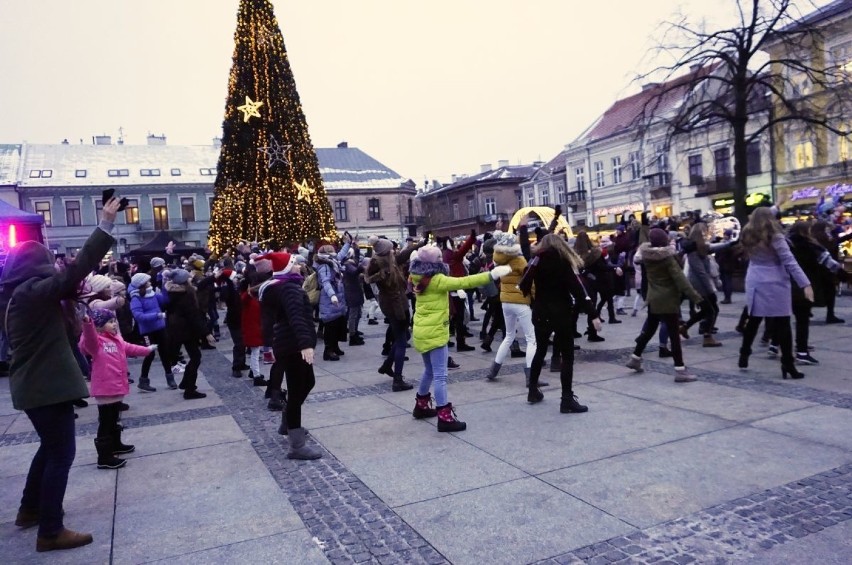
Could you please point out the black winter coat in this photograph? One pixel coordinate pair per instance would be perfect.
(185, 321)
(292, 314)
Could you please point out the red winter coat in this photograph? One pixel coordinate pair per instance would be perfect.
(252, 334)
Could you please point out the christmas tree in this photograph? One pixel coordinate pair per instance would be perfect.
(268, 185)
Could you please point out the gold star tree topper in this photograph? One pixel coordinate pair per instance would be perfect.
(306, 193)
(250, 109)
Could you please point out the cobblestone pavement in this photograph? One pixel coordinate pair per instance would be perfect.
(356, 513)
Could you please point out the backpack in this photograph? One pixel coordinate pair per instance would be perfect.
(311, 288)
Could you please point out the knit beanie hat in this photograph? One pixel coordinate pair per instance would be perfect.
(178, 276)
(158, 262)
(117, 287)
(96, 284)
(282, 262)
(506, 243)
(429, 254)
(101, 316)
(139, 279)
(198, 265)
(382, 246)
(488, 246)
(658, 238)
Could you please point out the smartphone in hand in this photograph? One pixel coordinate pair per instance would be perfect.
(106, 195)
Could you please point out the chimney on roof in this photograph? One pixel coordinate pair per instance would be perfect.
(502, 163)
(65, 141)
(436, 184)
(454, 177)
(343, 145)
(102, 140)
(156, 139)
(538, 163)
(485, 167)
(649, 86)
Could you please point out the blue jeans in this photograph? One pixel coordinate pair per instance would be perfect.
(399, 331)
(48, 476)
(435, 368)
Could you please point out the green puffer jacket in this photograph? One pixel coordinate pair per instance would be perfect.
(666, 281)
(432, 318)
(43, 369)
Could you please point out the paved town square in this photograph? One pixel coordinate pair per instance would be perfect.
(737, 467)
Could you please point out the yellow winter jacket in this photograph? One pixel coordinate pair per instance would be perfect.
(509, 291)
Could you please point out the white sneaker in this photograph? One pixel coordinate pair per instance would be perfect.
(177, 369)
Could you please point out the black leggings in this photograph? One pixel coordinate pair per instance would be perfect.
(159, 338)
(779, 328)
(300, 382)
(671, 321)
(190, 373)
(558, 323)
(802, 314)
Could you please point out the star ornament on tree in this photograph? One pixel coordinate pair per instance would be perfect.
(275, 153)
(250, 109)
(305, 192)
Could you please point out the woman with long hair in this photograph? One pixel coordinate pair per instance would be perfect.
(555, 268)
(698, 259)
(768, 289)
(332, 303)
(590, 272)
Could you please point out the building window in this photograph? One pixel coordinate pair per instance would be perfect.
(187, 208)
(530, 196)
(544, 193)
(118, 172)
(662, 158)
(471, 207)
(175, 172)
(843, 145)
(616, 170)
(207, 172)
(131, 212)
(80, 173)
(580, 177)
(99, 208)
(803, 153)
(41, 173)
(210, 200)
(753, 158)
(73, 217)
(455, 209)
(490, 206)
(340, 212)
(635, 165)
(43, 208)
(841, 61)
(149, 172)
(519, 199)
(374, 209)
(600, 176)
(696, 170)
(722, 159)
(560, 192)
(161, 213)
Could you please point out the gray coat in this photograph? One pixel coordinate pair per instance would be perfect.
(768, 279)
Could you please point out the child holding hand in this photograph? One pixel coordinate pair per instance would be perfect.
(102, 341)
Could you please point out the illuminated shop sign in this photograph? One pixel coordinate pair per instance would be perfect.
(839, 189)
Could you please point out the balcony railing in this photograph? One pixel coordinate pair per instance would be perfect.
(491, 218)
(170, 225)
(715, 185)
(658, 180)
(410, 220)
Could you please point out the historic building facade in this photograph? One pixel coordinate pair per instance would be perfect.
(170, 188)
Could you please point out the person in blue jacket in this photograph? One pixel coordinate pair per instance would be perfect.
(147, 307)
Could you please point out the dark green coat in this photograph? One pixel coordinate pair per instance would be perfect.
(43, 369)
(666, 281)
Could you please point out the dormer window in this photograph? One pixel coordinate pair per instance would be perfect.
(149, 172)
(175, 172)
(118, 172)
(80, 173)
(41, 173)
(207, 172)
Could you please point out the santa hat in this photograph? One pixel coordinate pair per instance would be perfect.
(282, 262)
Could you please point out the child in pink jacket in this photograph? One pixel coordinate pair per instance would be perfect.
(102, 341)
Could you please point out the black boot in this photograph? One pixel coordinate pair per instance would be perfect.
(486, 343)
(743, 361)
(386, 368)
(399, 384)
(515, 350)
(355, 339)
(257, 380)
(275, 401)
(569, 405)
(119, 448)
(423, 407)
(106, 460)
(447, 421)
(328, 355)
(462, 346)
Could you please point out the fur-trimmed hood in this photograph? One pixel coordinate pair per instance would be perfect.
(423, 269)
(327, 259)
(651, 254)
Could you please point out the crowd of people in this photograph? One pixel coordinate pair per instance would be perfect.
(69, 322)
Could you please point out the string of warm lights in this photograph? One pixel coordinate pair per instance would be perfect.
(258, 198)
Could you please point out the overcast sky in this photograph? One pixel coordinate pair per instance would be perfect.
(429, 88)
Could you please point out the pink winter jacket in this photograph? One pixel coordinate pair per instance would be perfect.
(109, 360)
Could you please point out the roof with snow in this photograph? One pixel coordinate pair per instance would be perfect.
(58, 165)
(828, 11)
(507, 174)
(656, 99)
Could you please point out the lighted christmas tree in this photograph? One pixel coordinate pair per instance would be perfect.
(268, 185)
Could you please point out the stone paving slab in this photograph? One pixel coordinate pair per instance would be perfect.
(538, 438)
(820, 424)
(832, 546)
(514, 522)
(348, 411)
(706, 398)
(217, 495)
(390, 455)
(292, 547)
(666, 481)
